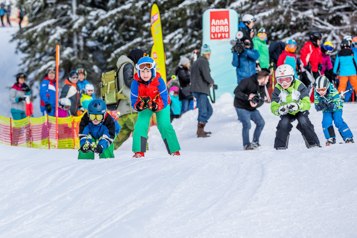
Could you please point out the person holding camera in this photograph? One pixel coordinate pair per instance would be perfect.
(290, 101)
(248, 96)
(246, 26)
(244, 59)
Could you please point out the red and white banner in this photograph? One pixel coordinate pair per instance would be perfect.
(219, 25)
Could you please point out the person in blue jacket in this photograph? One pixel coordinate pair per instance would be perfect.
(329, 102)
(82, 80)
(246, 26)
(346, 67)
(48, 93)
(245, 61)
(97, 131)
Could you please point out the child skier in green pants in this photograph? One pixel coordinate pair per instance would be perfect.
(148, 96)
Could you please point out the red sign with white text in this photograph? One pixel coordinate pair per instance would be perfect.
(219, 25)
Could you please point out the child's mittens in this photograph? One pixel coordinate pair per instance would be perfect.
(154, 106)
(142, 104)
(98, 149)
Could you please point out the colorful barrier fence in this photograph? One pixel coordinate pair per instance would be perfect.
(40, 132)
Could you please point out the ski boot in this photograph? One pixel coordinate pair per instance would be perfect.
(330, 141)
(349, 140)
(176, 154)
(139, 155)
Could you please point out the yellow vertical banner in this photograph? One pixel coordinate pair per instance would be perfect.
(157, 50)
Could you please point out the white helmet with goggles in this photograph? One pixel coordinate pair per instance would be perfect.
(284, 74)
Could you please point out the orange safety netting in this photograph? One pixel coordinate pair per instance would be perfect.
(40, 132)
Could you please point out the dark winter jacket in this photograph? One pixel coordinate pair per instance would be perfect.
(246, 31)
(275, 49)
(126, 71)
(201, 76)
(184, 78)
(245, 63)
(48, 95)
(71, 91)
(104, 133)
(246, 87)
(345, 63)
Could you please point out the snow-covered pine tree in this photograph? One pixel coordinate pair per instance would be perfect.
(107, 29)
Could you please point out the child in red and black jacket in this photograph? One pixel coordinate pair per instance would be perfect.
(149, 95)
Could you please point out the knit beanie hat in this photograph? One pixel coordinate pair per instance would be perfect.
(205, 49)
(184, 61)
(135, 55)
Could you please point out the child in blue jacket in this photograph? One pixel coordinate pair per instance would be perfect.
(329, 102)
(97, 131)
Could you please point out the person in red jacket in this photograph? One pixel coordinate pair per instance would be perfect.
(311, 60)
(311, 56)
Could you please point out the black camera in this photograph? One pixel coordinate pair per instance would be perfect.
(255, 99)
(238, 44)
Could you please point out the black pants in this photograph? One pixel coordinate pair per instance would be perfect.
(304, 126)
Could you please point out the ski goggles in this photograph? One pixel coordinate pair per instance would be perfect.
(97, 117)
(65, 107)
(321, 90)
(284, 80)
(146, 66)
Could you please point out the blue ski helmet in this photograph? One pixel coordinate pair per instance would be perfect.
(146, 62)
(97, 106)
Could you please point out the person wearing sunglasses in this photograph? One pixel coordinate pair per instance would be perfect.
(329, 102)
(97, 131)
(148, 96)
(70, 90)
(290, 101)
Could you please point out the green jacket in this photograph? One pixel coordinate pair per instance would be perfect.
(262, 47)
(297, 92)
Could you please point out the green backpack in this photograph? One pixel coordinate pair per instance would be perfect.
(110, 91)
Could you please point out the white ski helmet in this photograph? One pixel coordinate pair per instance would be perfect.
(64, 102)
(322, 82)
(248, 18)
(284, 71)
(89, 87)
